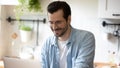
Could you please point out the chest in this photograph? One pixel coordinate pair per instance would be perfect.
(72, 51)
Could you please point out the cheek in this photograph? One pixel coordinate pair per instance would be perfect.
(51, 27)
(64, 25)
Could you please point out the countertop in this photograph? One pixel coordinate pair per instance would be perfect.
(105, 65)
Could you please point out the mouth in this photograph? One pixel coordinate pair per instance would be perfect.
(56, 31)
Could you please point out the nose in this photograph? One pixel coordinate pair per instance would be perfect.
(54, 26)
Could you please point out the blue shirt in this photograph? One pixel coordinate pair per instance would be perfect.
(81, 50)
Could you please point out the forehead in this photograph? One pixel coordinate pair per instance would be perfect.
(56, 15)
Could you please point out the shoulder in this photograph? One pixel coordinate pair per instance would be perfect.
(82, 33)
(50, 39)
(48, 42)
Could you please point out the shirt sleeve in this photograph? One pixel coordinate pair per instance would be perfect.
(86, 52)
(43, 56)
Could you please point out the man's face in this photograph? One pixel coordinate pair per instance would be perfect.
(58, 23)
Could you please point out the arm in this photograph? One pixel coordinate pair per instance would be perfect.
(86, 52)
(43, 56)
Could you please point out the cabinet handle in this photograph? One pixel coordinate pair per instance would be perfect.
(116, 14)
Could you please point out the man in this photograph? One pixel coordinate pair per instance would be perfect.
(68, 47)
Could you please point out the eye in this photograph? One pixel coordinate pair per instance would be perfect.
(58, 22)
(50, 22)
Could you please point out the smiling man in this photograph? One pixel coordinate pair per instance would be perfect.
(68, 47)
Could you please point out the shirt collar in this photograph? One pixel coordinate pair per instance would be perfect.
(71, 38)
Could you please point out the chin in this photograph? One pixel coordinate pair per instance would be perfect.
(57, 35)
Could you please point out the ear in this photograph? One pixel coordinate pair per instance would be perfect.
(69, 19)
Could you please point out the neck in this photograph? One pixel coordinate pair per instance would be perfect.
(66, 35)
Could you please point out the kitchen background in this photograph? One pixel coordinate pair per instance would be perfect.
(86, 15)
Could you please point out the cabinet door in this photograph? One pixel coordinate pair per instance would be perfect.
(9, 2)
(109, 9)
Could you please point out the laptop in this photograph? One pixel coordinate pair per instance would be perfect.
(10, 62)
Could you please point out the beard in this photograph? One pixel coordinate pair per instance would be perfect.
(59, 32)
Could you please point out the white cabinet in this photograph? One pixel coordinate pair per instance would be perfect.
(9, 2)
(109, 9)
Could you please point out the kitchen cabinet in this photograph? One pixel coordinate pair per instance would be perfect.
(104, 65)
(9, 2)
(109, 9)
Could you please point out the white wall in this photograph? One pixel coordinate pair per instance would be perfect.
(3, 34)
(6, 31)
(84, 16)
